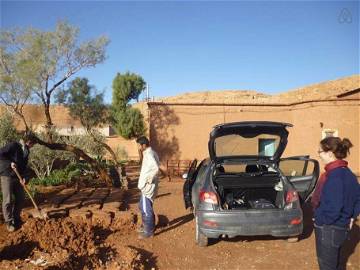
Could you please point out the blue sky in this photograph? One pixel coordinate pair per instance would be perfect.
(187, 46)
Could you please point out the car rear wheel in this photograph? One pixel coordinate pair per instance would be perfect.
(200, 239)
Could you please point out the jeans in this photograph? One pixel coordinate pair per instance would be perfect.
(147, 215)
(11, 210)
(329, 240)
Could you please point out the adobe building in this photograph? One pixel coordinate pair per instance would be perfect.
(179, 126)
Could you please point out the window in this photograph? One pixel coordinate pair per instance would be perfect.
(266, 147)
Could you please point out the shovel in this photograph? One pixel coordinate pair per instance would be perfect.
(40, 213)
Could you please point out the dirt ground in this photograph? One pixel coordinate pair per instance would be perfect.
(77, 242)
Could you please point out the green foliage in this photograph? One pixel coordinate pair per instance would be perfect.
(35, 64)
(7, 129)
(87, 143)
(84, 103)
(76, 167)
(41, 159)
(58, 177)
(126, 87)
(32, 59)
(129, 123)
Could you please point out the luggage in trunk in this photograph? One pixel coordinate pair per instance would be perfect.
(253, 192)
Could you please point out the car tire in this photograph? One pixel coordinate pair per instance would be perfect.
(293, 239)
(200, 239)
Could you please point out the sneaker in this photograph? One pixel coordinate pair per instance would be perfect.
(10, 227)
(144, 235)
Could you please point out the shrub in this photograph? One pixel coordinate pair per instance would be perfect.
(7, 129)
(42, 159)
(55, 178)
(59, 177)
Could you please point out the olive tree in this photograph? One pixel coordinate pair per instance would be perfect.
(34, 64)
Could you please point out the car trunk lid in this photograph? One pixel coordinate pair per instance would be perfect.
(248, 140)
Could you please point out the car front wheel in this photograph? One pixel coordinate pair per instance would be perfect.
(200, 239)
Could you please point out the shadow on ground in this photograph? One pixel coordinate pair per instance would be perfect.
(173, 223)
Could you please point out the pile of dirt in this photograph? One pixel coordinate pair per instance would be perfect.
(66, 244)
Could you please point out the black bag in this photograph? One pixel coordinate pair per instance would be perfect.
(261, 204)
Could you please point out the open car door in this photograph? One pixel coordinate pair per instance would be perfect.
(302, 172)
(189, 181)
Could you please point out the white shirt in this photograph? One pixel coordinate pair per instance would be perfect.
(148, 180)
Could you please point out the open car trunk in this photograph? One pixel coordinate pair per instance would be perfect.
(249, 191)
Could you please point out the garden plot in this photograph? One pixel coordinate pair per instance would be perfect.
(65, 244)
(73, 237)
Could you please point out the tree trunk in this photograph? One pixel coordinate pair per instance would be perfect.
(102, 173)
(49, 123)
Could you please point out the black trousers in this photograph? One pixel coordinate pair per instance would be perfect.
(12, 208)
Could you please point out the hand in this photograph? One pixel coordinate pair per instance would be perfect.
(13, 165)
(351, 223)
(23, 182)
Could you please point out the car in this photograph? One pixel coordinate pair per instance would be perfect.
(245, 188)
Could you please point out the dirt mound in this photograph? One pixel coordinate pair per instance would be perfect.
(67, 244)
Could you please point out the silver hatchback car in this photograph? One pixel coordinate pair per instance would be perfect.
(245, 188)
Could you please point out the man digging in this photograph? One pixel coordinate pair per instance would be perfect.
(148, 185)
(14, 155)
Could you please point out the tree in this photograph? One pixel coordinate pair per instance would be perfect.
(128, 121)
(86, 105)
(34, 64)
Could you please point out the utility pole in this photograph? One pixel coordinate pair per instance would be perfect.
(147, 92)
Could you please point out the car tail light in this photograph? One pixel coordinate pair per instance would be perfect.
(208, 197)
(292, 198)
(210, 224)
(295, 221)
